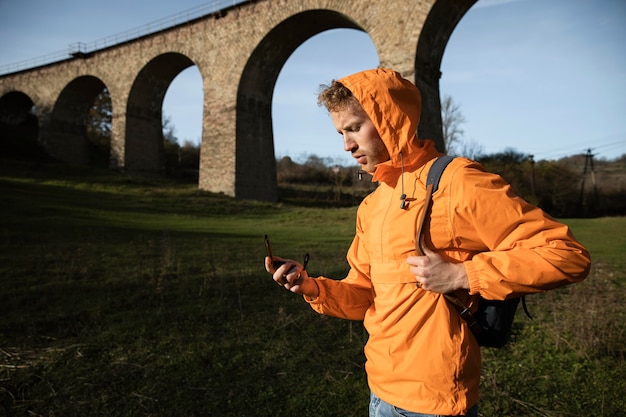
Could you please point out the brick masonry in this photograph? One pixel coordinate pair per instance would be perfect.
(239, 54)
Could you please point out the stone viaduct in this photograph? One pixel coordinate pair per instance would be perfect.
(239, 52)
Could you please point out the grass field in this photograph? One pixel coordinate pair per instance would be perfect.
(127, 297)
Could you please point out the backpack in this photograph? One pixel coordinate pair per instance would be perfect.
(491, 323)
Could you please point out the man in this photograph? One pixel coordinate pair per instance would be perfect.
(482, 239)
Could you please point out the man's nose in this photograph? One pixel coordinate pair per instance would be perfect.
(349, 145)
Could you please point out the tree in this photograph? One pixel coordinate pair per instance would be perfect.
(451, 121)
(471, 149)
(101, 115)
(169, 131)
(99, 122)
(171, 148)
(181, 162)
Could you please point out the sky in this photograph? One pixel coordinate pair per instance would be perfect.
(541, 77)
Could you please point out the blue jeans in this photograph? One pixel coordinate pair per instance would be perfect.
(379, 408)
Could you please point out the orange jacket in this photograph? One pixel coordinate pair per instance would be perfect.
(420, 353)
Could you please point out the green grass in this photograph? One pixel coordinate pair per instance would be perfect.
(127, 297)
(605, 237)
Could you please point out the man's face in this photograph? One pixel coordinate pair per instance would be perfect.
(360, 137)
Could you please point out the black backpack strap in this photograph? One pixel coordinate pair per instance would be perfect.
(437, 168)
(432, 184)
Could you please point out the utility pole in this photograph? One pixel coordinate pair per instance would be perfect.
(588, 163)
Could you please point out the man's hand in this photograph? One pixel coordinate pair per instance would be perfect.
(433, 273)
(293, 277)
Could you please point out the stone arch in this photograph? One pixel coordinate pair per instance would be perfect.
(143, 148)
(66, 136)
(255, 171)
(19, 125)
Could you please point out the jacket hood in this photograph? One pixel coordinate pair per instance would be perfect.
(394, 105)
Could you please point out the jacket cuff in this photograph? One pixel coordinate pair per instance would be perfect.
(472, 277)
(321, 296)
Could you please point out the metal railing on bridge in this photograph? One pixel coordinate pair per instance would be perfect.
(80, 49)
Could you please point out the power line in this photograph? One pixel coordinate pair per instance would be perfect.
(562, 152)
